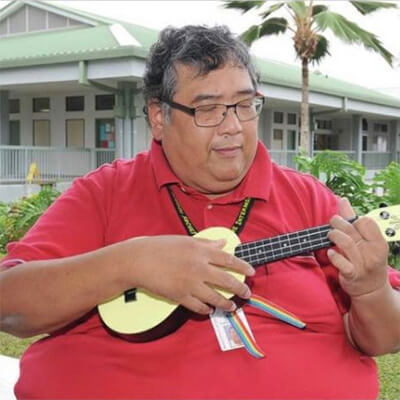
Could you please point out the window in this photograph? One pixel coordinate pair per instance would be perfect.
(41, 132)
(324, 124)
(364, 143)
(41, 104)
(105, 133)
(74, 103)
(75, 133)
(278, 117)
(105, 102)
(326, 142)
(277, 139)
(291, 119)
(15, 133)
(291, 139)
(364, 125)
(380, 128)
(13, 106)
(380, 143)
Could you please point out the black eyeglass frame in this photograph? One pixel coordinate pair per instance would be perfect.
(192, 110)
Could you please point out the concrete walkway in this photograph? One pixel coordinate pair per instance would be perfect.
(9, 371)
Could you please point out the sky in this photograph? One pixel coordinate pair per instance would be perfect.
(351, 63)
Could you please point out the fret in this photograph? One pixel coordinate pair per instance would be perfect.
(284, 246)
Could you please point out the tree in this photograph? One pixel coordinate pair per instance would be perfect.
(307, 22)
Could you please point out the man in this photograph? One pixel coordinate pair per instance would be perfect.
(125, 226)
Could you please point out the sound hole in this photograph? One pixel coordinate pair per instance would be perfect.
(130, 295)
(390, 232)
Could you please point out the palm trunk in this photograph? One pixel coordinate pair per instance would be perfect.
(305, 119)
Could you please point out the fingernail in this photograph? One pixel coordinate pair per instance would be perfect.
(251, 271)
(247, 295)
(233, 308)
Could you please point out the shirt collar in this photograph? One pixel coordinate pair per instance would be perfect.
(256, 184)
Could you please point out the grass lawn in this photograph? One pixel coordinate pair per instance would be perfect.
(389, 366)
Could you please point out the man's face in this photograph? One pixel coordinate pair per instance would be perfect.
(212, 160)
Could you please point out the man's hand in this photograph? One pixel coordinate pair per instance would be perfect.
(185, 269)
(361, 255)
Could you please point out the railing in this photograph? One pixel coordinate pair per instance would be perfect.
(284, 157)
(54, 164)
(63, 164)
(373, 160)
(350, 154)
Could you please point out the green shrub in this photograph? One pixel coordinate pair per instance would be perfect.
(17, 217)
(343, 176)
(346, 178)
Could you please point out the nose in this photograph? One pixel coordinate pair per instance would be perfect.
(231, 124)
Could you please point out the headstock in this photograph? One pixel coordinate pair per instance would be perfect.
(388, 220)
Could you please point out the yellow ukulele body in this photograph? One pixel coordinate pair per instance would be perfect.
(148, 310)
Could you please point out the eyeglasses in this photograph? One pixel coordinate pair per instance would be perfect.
(211, 115)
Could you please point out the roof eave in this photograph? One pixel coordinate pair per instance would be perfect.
(126, 51)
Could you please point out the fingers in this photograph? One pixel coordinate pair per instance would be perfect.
(208, 295)
(223, 259)
(205, 299)
(345, 209)
(226, 281)
(347, 244)
(345, 267)
(197, 306)
(340, 224)
(369, 229)
(364, 228)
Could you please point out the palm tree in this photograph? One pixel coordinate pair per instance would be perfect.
(307, 21)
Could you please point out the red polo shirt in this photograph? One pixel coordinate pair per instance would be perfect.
(128, 199)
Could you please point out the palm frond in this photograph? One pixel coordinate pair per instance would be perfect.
(243, 6)
(250, 35)
(318, 9)
(368, 7)
(321, 50)
(350, 32)
(273, 26)
(299, 8)
(271, 10)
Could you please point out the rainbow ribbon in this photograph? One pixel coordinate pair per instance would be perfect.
(271, 308)
(243, 333)
(268, 307)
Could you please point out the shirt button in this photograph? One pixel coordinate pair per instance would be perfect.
(209, 207)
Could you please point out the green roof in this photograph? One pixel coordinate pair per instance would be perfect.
(98, 42)
(281, 74)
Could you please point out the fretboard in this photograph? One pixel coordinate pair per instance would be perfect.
(284, 246)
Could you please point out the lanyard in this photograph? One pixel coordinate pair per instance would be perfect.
(191, 230)
(255, 301)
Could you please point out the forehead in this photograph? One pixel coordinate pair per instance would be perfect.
(226, 81)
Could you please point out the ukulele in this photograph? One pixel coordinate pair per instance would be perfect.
(137, 312)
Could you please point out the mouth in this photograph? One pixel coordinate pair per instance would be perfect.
(228, 151)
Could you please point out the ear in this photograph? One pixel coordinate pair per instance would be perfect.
(156, 119)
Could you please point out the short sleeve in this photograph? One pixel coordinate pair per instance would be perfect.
(394, 278)
(75, 223)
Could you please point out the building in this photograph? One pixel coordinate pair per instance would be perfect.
(70, 98)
